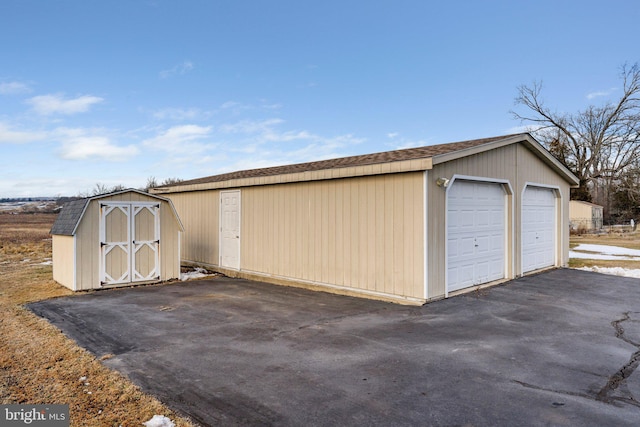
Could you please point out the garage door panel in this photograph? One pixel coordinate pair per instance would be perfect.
(476, 234)
(538, 228)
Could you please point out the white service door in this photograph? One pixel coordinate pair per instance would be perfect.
(475, 234)
(230, 229)
(538, 228)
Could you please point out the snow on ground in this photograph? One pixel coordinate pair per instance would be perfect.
(608, 250)
(612, 253)
(197, 273)
(159, 421)
(616, 271)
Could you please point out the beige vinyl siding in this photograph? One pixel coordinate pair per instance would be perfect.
(199, 213)
(361, 233)
(514, 163)
(63, 249)
(580, 210)
(169, 243)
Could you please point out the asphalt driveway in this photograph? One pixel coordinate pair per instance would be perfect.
(558, 348)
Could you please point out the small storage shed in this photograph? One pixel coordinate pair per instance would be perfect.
(409, 225)
(585, 215)
(122, 238)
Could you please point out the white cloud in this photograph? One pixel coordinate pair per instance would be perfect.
(250, 126)
(180, 114)
(57, 104)
(181, 68)
(600, 93)
(10, 88)
(184, 138)
(8, 135)
(81, 144)
(392, 135)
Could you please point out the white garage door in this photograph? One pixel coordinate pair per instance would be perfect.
(475, 234)
(538, 228)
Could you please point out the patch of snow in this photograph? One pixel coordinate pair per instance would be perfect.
(604, 252)
(584, 255)
(616, 271)
(159, 421)
(608, 250)
(197, 273)
(45, 263)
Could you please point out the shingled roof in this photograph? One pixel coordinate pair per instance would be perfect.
(68, 218)
(344, 162)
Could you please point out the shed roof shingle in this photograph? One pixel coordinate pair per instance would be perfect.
(67, 219)
(343, 162)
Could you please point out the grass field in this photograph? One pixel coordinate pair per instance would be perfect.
(38, 364)
(625, 240)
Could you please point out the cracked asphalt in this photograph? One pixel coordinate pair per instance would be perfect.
(557, 348)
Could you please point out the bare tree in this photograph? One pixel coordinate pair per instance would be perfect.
(152, 182)
(598, 143)
(171, 181)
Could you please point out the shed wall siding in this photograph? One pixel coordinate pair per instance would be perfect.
(63, 255)
(514, 163)
(88, 249)
(362, 233)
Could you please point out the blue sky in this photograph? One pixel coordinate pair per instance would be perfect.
(114, 92)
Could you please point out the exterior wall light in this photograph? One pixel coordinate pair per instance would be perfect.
(442, 182)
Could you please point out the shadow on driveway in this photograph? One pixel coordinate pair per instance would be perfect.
(557, 348)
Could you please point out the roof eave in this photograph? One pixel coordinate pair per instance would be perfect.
(412, 165)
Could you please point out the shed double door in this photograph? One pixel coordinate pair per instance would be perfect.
(129, 242)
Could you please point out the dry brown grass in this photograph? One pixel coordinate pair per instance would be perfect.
(40, 365)
(625, 240)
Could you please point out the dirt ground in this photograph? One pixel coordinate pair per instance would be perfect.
(38, 364)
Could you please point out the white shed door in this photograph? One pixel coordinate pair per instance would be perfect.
(475, 234)
(145, 229)
(129, 241)
(230, 229)
(538, 228)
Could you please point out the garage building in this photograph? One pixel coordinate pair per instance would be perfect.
(122, 238)
(409, 225)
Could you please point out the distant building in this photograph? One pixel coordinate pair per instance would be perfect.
(585, 215)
